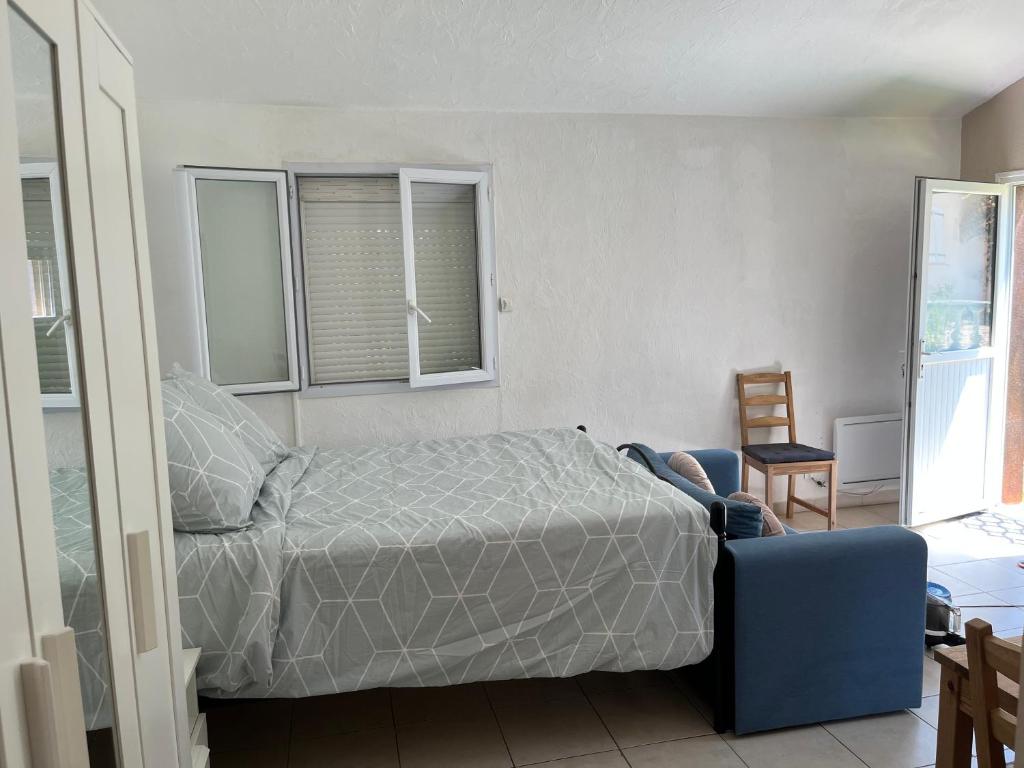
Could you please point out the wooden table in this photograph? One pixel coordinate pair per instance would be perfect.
(956, 726)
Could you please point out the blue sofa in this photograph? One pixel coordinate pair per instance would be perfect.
(815, 626)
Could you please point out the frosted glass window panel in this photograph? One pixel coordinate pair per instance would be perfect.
(244, 294)
(959, 278)
(447, 282)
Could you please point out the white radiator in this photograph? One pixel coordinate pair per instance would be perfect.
(869, 450)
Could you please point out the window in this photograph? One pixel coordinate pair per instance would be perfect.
(398, 277)
(394, 277)
(49, 285)
(238, 233)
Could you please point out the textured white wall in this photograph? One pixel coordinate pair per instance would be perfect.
(647, 260)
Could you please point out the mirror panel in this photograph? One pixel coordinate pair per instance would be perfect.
(49, 281)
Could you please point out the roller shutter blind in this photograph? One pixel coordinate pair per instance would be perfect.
(45, 281)
(355, 279)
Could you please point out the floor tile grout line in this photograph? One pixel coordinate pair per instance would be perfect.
(844, 745)
(497, 721)
(291, 728)
(569, 757)
(394, 725)
(733, 749)
(604, 725)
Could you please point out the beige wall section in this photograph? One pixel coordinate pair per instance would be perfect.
(993, 136)
(647, 258)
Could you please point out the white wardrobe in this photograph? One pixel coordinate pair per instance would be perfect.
(90, 647)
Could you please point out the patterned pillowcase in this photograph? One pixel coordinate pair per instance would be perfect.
(259, 438)
(214, 479)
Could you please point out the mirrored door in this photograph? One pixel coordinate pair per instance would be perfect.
(49, 282)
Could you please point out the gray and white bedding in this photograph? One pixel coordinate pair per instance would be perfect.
(432, 563)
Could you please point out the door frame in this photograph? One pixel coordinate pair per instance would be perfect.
(1014, 180)
(1002, 273)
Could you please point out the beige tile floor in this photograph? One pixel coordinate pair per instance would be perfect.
(636, 720)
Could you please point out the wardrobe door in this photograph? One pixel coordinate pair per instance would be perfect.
(122, 267)
(78, 708)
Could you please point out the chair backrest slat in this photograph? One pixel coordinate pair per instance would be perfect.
(1003, 655)
(988, 656)
(767, 421)
(761, 400)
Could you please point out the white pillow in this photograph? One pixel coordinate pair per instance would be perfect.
(214, 479)
(259, 438)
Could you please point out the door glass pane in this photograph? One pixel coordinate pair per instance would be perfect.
(447, 287)
(240, 242)
(47, 281)
(958, 282)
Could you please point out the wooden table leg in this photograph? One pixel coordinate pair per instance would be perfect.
(956, 729)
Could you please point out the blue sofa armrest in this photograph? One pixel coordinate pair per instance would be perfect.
(722, 466)
(827, 625)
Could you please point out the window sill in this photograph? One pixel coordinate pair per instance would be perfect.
(314, 391)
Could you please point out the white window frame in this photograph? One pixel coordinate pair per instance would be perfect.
(480, 175)
(51, 172)
(187, 177)
(478, 179)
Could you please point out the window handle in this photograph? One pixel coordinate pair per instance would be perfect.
(65, 317)
(414, 310)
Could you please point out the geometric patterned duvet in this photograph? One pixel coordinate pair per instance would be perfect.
(531, 554)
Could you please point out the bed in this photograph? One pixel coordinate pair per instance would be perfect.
(509, 555)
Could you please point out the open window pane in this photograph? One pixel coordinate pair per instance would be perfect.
(244, 278)
(446, 247)
(447, 281)
(48, 284)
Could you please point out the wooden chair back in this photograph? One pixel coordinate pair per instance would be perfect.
(987, 657)
(747, 401)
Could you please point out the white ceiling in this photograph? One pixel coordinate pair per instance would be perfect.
(697, 57)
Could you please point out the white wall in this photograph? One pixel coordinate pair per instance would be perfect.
(647, 260)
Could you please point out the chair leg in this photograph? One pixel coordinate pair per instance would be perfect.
(833, 480)
(789, 496)
(768, 481)
(745, 483)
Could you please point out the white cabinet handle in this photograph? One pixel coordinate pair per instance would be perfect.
(140, 573)
(53, 704)
(41, 713)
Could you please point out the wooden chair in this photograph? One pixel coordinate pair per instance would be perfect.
(781, 459)
(994, 726)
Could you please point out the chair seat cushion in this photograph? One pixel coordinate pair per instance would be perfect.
(786, 453)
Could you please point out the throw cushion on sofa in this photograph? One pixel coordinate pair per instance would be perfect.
(690, 468)
(772, 525)
(743, 521)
